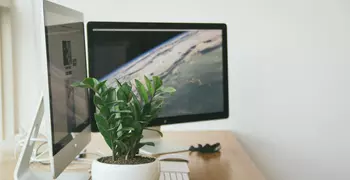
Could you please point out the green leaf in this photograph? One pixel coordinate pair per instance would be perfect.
(122, 116)
(120, 133)
(149, 86)
(113, 103)
(76, 84)
(137, 126)
(125, 137)
(127, 89)
(105, 111)
(123, 92)
(116, 126)
(112, 119)
(91, 82)
(97, 100)
(115, 121)
(80, 84)
(143, 122)
(126, 129)
(101, 85)
(101, 120)
(136, 109)
(102, 127)
(146, 111)
(142, 91)
(111, 96)
(157, 103)
(157, 82)
(170, 90)
(159, 132)
(127, 117)
(158, 98)
(113, 128)
(121, 95)
(122, 111)
(103, 94)
(155, 112)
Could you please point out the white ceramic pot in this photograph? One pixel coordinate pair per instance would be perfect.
(103, 171)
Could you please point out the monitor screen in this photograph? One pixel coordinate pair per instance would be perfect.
(66, 64)
(190, 58)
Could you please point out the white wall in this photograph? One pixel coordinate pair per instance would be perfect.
(288, 63)
(5, 3)
(292, 61)
(7, 129)
(28, 60)
(289, 75)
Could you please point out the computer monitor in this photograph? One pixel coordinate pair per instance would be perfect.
(66, 64)
(191, 57)
(63, 33)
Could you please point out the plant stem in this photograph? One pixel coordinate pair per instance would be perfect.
(113, 148)
(127, 155)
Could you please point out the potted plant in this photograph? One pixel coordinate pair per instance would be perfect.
(122, 114)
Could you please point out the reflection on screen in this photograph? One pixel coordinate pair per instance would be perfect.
(67, 64)
(189, 60)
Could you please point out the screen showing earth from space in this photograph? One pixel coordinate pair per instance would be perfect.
(191, 61)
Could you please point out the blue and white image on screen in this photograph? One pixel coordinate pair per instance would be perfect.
(191, 62)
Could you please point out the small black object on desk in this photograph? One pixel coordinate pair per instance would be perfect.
(206, 148)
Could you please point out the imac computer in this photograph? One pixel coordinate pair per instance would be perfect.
(191, 57)
(68, 108)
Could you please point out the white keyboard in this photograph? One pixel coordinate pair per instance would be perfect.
(173, 176)
(172, 170)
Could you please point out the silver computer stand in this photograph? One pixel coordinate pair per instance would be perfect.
(161, 146)
(23, 171)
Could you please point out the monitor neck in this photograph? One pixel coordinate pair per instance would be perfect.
(149, 135)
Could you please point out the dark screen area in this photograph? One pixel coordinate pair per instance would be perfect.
(111, 49)
(66, 64)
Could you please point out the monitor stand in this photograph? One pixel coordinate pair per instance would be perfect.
(23, 171)
(162, 146)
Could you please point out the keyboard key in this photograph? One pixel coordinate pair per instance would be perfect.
(185, 176)
(161, 177)
(179, 176)
(173, 176)
(168, 166)
(167, 176)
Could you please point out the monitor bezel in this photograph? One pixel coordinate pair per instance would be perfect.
(162, 25)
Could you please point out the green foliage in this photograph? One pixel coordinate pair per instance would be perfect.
(121, 115)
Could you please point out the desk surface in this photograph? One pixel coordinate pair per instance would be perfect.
(231, 164)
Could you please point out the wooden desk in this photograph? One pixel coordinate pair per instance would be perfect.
(231, 164)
